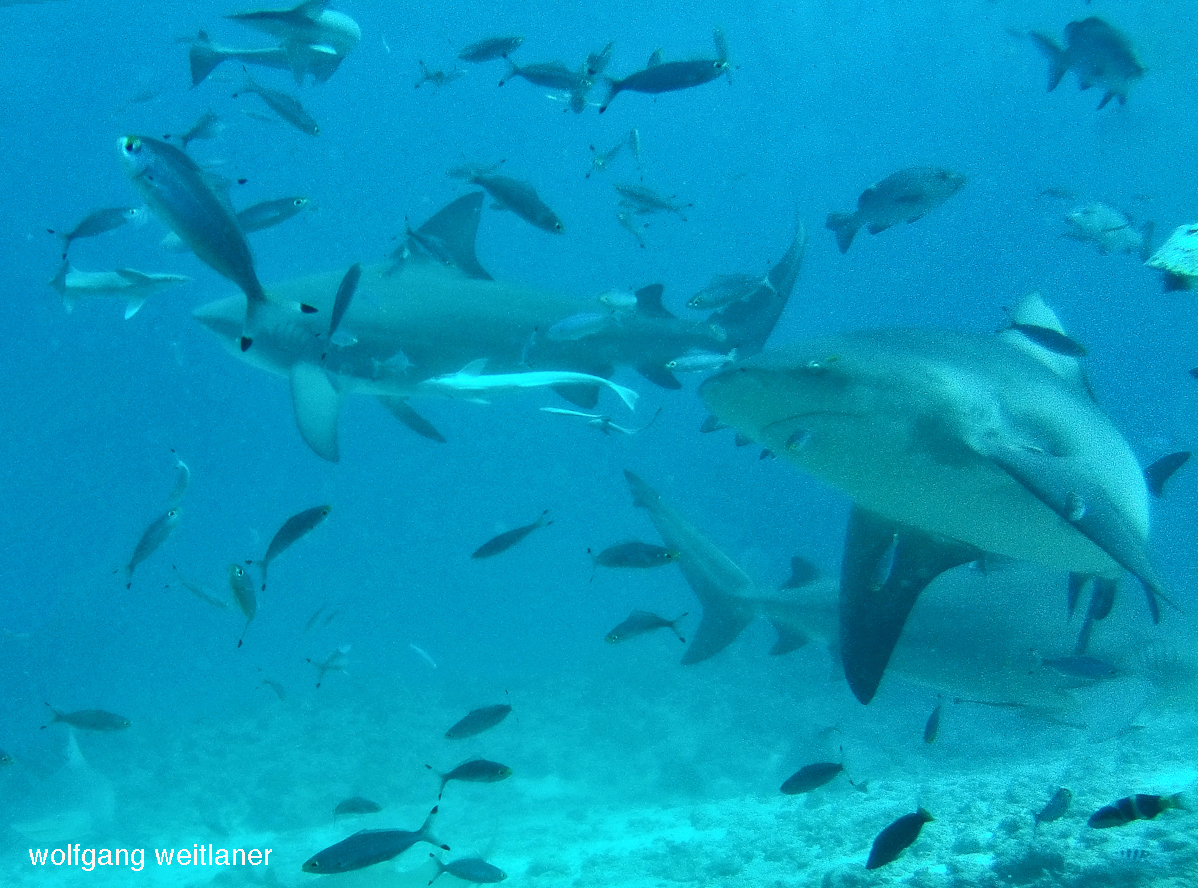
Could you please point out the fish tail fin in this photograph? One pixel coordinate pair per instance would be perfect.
(613, 87)
(426, 829)
(512, 70)
(846, 226)
(1058, 64)
(674, 626)
(204, 59)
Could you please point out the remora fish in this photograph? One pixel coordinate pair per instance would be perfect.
(469, 869)
(904, 196)
(470, 381)
(641, 622)
(512, 194)
(284, 105)
(152, 537)
(670, 76)
(509, 538)
(1099, 55)
(293, 528)
(370, 846)
(1109, 230)
(440, 309)
(125, 283)
(180, 195)
(478, 720)
(490, 48)
(968, 444)
(89, 720)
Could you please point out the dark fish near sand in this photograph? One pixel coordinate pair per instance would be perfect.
(469, 869)
(282, 104)
(640, 622)
(356, 805)
(671, 76)
(811, 777)
(1055, 808)
(896, 838)
(242, 588)
(475, 771)
(99, 222)
(904, 196)
(370, 846)
(152, 537)
(478, 720)
(635, 554)
(1098, 53)
(509, 538)
(181, 196)
(490, 48)
(293, 528)
(512, 194)
(1140, 806)
(89, 720)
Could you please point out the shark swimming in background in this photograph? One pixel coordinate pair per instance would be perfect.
(950, 445)
(988, 636)
(434, 310)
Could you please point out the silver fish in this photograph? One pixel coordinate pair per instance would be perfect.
(242, 588)
(724, 289)
(490, 48)
(671, 76)
(512, 194)
(99, 222)
(640, 622)
(293, 528)
(180, 195)
(256, 217)
(437, 78)
(152, 537)
(284, 105)
(642, 199)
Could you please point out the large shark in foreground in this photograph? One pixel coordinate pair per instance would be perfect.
(987, 636)
(434, 310)
(949, 445)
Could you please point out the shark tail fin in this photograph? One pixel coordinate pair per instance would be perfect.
(613, 89)
(748, 323)
(204, 58)
(1058, 64)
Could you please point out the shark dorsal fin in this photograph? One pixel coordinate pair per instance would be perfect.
(648, 302)
(448, 237)
(1033, 325)
(474, 368)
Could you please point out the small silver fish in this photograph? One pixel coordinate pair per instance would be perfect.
(513, 194)
(640, 622)
(724, 289)
(490, 48)
(293, 528)
(287, 107)
(334, 662)
(152, 537)
(99, 222)
(243, 593)
(642, 199)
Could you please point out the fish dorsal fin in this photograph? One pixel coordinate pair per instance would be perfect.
(448, 237)
(474, 368)
(648, 301)
(1034, 313)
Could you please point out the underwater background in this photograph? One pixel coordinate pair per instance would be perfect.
(629, 769)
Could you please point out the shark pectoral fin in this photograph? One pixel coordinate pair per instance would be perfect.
(789, 639)
(1102, 599)
(584, 396)
(1068, 490)
(659, 375)
(133, 306)
(402, 410)
(317, 404)
(873, 610)
(724, 618)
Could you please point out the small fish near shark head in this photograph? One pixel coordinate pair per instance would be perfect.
(952, 444)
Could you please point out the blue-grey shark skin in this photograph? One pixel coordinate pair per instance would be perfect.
(981, 635)
(427, 317)
(931, 429)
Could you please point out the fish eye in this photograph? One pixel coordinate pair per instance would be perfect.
(559, 227)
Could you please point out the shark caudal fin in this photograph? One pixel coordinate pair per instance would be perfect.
(749, 322)
(886, 565)
(447, 238)
(719, 584)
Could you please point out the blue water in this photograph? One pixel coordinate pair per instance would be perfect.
(823, 99)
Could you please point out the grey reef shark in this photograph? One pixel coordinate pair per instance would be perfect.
(420, 324)
(950, 446)
(990, 634)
